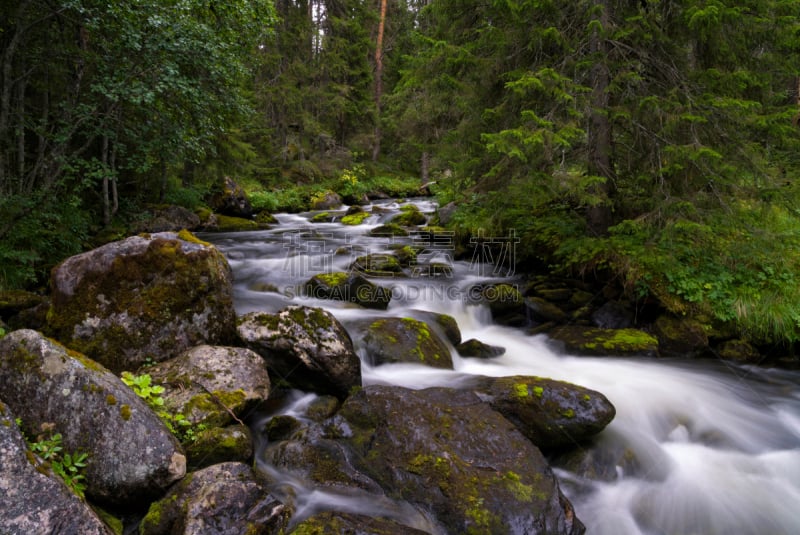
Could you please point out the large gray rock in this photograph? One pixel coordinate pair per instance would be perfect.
(451, 455)
(150, 296)
(391, 340)
(223, 499)
(208, 383)
(132, 456)
(348, 286)
(34, 501)
(552, 414)
(305, 346)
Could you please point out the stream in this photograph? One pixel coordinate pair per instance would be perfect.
(697, 446)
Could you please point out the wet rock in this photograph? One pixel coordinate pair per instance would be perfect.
(231, 200)
(306, 347)
(445, 213)
(143, 297)
(477, 349)
(355, 216)
(12, 302)
(281, 427)
(334, 523)
(553, 414)
(680, 336)
(226, 223)
(605, 342)
(409, 216)
(348, 286)
(543, 311)
(222, 499)
(327, 201)
(132, 456)
(450, 454)
(377, 265)
(504, 301)
(210, 384)
(445, 323)
(218, 445)
(613, 315)
(390, 229)
(392, 340)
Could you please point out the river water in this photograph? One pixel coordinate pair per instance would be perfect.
(697, 447)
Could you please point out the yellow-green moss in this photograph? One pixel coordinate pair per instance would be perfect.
(125, 412)
(538, 391)
(521, 390)
(111, 400)
(332, 279)
(185, 235)
(355, 219)
(322, 217)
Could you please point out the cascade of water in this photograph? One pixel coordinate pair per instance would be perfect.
(698, 447)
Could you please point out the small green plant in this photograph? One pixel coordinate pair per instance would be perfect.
(177, 424)
(2, 332)
(68, 466)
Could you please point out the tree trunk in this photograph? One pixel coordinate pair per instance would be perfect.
(425, 166)
(106, 200)
(599, 139)
(376, 148)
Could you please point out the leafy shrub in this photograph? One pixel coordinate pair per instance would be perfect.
(68, 466)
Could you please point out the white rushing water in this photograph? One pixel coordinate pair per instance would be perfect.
(697, 447)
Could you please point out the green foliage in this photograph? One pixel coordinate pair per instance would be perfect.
(177, 423)
(68, 466)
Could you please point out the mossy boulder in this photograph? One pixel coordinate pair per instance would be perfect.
(392, 340)
(377, 265)
(554, 415)
(605, 342)
(304, 346)
(226, 223)
(168, 218)
(336, 523)
(132, 456)
(740, 351)
(542, 311)
(390, 229)
(12, 302)
(211, 384)
(680, 336)
(504, 300)
(450, 454)
(146, 297)
(264, 219)
(445, 324)
(220, 444)
(230, 199)
(473, 348)
(322, 217)
(355, 216)
(34, 499)
(220, 499)
(348, 286)
(327, 200)
(409, 216)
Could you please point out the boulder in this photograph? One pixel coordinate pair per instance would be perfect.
(328, 200)
(504, 301)
(543, 311)
(150, 296)
(390, 229)
(392, 340)
(377, 265)
(34, 499)
(132, 455)
(335, 523)
(220, 444)
(221, 499)
(409, 216)
(230, 199)
(306, 347)
(445, 213)
(740, 351)
(445, 323)
(12, 302)
(605, 342)
(477, 349)
(169, 218)
(451, 455)
(211, 384)
(352, 287)
(680, 336)
(554, 415)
